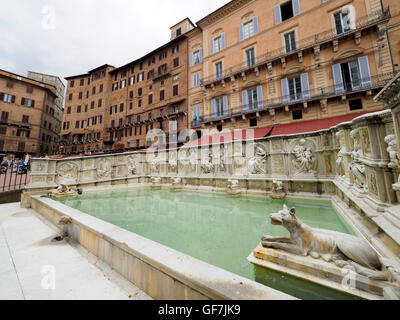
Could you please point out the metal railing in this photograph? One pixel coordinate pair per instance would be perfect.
(366, 84)
(13, 177)
(301, 45)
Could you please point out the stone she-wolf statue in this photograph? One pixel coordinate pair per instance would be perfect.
(339, 248)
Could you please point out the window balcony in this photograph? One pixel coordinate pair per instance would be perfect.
(318, 94)
(301, 47)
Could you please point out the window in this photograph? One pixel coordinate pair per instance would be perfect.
(77, 124)
(140, 77)
(113, 110)
(70, 97)
(175, 49)
(8, 98)
(150, 74)
(115, 86)
(150, 98)
(355, 104)
(253, 122)
(139, 103)
(139, 91)
(152, 61)
(176, 62)
(197, 57)
(21, 146)
(99, 119)
(91, 105)
(351, 75)
(196, 79)
(82, 81)
(162, 69)
(101, 88)
(297, 114)
(29, 89)
(99, 103)
(162, 95)
(218, 107)
(68, 110)
(249, 29)
(290, 42)
(218, 45)
(78, 109)
(94, 90)
(252, 99)
(27, 102)
(218, 70)
(286, 11)
(131, 80)
(295, 88)
(163, 55)
(123, 84)
(175, 90)
(342, 22)
(250, 57)
(178, 32)
(3, 130)
(72, 83)
(121, 107)
(219, 127)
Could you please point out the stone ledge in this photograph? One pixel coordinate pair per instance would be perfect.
(317, 271)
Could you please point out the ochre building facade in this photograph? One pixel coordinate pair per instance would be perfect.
(257, 63)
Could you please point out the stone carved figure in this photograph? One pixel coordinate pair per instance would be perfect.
(63, 190)
(277, 190)
(233, 186)
(392, 150)
(63, 223)
(155, 181)
(131, 165)
(256, 164)
(103, 168)
(172, 162)
(154, 165)
(304, 160)
(356, 167)
(206, 163)
(67, 173)
(220, 160)
(340, 248)
(341, 160)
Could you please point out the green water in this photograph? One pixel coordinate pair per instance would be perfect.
(216, 228)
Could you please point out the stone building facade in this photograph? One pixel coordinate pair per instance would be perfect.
(146, 94)
(30, 116)
(257, 63)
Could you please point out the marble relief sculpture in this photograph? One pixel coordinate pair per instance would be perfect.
(277, 190)
(206, 163)
(356, 167)
(172, 162)
(340, 248)
(67, 173)
(340, 161)
(131, 165)
(304, 160)
(154, 165)
(257, 163)
(233, 186)
(392, 151)
(103, 168)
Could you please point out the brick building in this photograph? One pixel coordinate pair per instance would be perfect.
(257, 63)
(30, 118)
(145, 94)
(86, 102)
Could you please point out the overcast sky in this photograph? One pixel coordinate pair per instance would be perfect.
(70, 37)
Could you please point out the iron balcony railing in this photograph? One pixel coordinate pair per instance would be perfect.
(13, 176)
(315, 40)
(365, 84)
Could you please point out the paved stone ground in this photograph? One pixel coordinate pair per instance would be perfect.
(29, 259)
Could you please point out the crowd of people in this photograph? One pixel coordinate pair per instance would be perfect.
(19, 166)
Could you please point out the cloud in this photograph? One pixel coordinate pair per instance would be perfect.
(71, 37)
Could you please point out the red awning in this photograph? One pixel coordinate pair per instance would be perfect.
(313, 125)
(225, 137)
